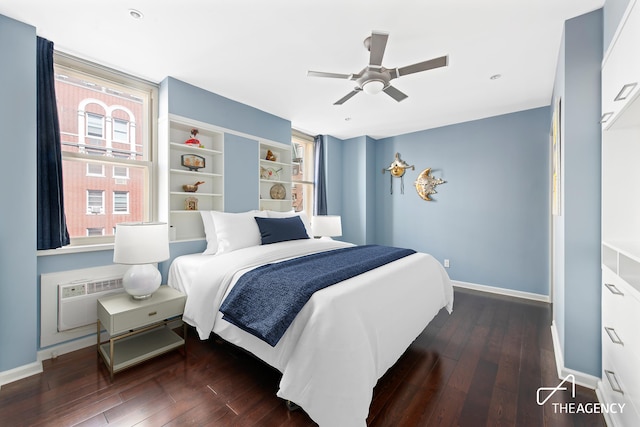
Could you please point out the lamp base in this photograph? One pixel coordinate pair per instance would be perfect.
(141, 281)
(141, 297)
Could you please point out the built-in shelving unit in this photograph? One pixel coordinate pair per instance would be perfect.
(178, 208)
(275, 173)
(621, 222)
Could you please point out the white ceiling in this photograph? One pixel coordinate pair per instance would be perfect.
(257, 52)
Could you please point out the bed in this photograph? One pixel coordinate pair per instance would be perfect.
(342, 340)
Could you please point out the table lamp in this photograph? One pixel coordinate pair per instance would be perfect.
(141, 244)
(326, 226)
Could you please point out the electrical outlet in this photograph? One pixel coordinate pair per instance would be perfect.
(446, 263)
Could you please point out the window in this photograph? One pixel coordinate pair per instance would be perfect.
(95, 125)
(120, 130)
(120, 172)
(95, 202)
(95, 232)
(95, 169)
(105, 125)
(121, 202)
(302, 174)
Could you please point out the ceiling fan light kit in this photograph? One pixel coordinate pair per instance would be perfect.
(373, 87)
(375, 78)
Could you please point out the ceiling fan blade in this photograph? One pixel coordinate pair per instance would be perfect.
(331, 75)
(442, 61)
(394, 93)
(347, 97)
(377, 45)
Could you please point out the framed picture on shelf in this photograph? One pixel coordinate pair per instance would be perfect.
(193, 162)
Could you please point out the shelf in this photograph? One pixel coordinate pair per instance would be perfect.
(138, 348)
(275, 181)
(191, 149)
(623, 259)
(172, 175)
(186, 193)
(283, 163)
(275, 163)
(630, 249)
(194, 173)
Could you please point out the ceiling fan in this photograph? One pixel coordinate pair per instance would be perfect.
(375, 78)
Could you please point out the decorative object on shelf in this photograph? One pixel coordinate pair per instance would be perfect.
(426, 184)
(326, 226)
(397, 168)
(192, 188)
(271, 156)
(191, 203)
(278, 192)
(270, 173)
(193, 162)
(193, 141)
(141, 244)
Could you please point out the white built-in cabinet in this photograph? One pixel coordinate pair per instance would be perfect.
(176, 206)
(620, 383)
(180, 208)
(275, 176)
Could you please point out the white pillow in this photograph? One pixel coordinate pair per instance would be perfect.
(236, 230)
(301, 214)
(210, 233)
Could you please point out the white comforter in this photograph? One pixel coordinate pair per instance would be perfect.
(342, 341)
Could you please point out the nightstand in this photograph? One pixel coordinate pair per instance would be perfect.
(139, 329)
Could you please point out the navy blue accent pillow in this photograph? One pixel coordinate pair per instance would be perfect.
(273, 230)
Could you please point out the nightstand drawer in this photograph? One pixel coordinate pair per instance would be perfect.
(120, 313)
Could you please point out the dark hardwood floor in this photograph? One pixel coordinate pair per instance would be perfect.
(480, 366)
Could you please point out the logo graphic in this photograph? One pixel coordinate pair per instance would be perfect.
(553, 390)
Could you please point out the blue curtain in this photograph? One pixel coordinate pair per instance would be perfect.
(52, 226)
(320, 188)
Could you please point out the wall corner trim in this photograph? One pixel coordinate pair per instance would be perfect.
(581, 379)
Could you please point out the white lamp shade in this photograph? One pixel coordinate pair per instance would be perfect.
(141, 243)
(326, 225)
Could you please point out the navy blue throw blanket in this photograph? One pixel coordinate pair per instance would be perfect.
(265, 300)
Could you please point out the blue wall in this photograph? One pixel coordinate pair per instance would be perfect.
(491, 217)
(577, 229)
(18, 281)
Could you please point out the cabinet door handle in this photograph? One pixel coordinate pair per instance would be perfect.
(613, 335)
(625, 91)
(153, 313)
(606, 116)
(614, 290)
(613, 381)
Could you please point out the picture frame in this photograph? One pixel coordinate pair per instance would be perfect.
(556, 158)
(191, 203)
(193, 162)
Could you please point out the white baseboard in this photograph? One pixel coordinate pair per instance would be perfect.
(52, 352)
(582, 379)
(67, 347)
(20, 372)
(35, 368)
(501, 291)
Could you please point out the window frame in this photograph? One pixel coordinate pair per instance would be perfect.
(69, 65)
(90, 208)
(308, 180)
(115, 131)
(119, 192)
